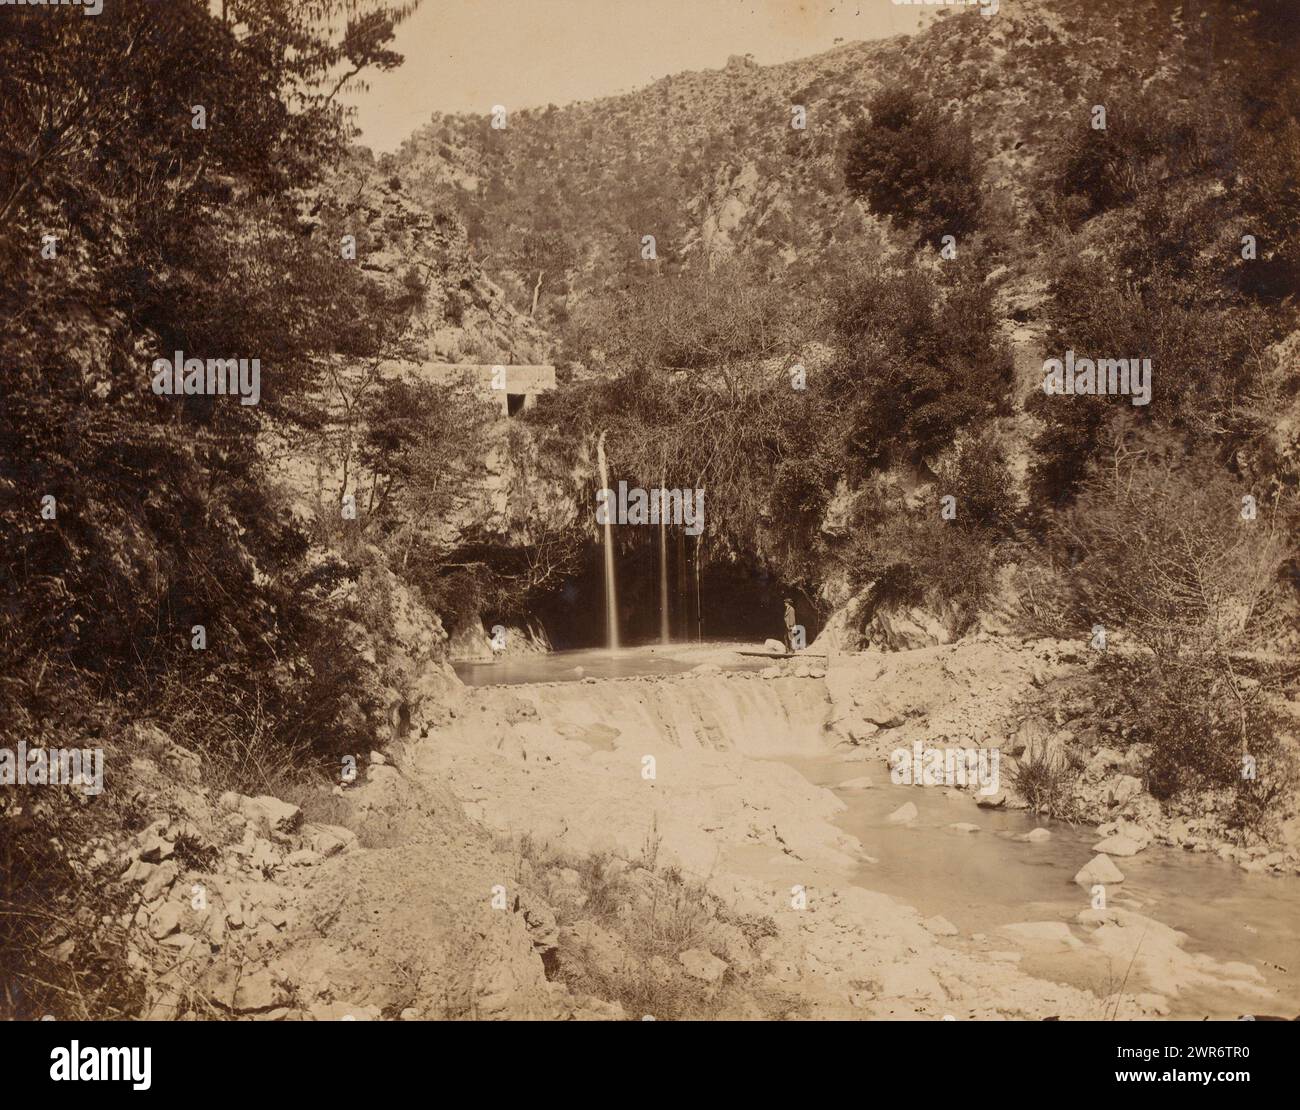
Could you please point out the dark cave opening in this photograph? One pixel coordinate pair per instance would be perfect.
(732, 599)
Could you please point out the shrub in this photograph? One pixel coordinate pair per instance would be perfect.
(651, 915)
(918, 364)
(1148, 140)
(1156, 545)
(913, 558)
(910, 160)
(1270, 202)
(1204, 729)
(976, 474)
(1046, 781)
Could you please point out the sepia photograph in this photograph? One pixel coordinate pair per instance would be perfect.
(650, 510)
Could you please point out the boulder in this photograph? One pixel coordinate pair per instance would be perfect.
(469, 643)
(166, 921)
(1037, 836)
(1118, 846)
(1101, 869)
(331, 840)
(138, 872)
(1105, 759)
(1122, 789)
(903, 814)
(159, 883)
(252, 993)
(594, 948)
(155, 849)
(1130, 830)
(911, 980)
(905, 630)
(269, 814)
(702, 965)
(940, 926)
(774, 646)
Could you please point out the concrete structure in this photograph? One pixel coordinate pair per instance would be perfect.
(511, 388)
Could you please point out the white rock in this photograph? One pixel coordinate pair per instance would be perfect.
(1101, 869)
(1043, 932)
(903, 814)
(160, 882)
(330, 840)
(270, 814)
(1037, 836)
(156, 849)
(702, 965)
(1118, 846)
(166, 921)
(908, 980)
(138, 872)
(940, 926)
(1124, 788)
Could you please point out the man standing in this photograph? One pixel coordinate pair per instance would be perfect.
(789, 625)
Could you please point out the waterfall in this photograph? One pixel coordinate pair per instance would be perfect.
(665, 634)
(611, 593)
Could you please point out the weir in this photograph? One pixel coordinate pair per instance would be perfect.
(665, 633)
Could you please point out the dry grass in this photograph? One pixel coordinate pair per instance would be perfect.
(648, 917)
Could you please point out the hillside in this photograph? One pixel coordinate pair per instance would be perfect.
(709, 161)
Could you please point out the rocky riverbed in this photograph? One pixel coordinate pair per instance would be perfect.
(465, 870)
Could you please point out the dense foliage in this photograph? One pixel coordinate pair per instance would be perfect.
(153, 157)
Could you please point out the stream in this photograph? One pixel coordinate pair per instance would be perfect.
(983, 881)
(987, 880)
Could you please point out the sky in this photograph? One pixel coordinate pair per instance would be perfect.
(468, 55)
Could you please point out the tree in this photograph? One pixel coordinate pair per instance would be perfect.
(917, 363)
(910, 160)
(543, 252)
(421, 445)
